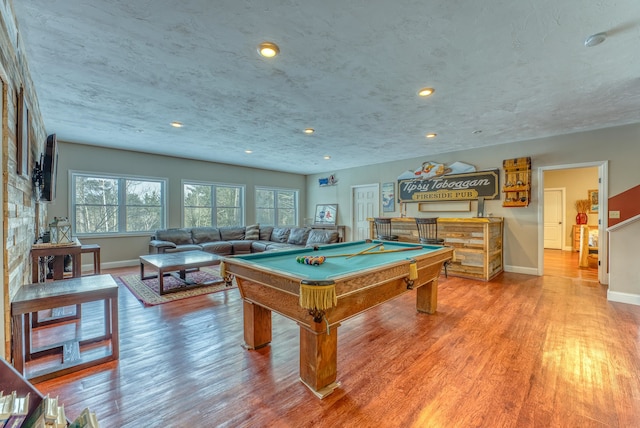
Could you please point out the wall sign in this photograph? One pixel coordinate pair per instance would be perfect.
(443, 183)
(329, 181)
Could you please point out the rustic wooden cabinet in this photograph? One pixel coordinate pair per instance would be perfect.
(477, 243)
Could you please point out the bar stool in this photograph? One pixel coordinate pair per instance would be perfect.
(95, 249)
(383, 229)
(428, 231)
(428, 234)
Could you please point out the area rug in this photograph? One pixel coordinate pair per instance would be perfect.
(147, 290)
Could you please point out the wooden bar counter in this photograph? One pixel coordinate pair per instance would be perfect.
(477, 243)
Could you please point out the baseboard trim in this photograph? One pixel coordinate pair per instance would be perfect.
(616, 296)
(521, 269)
(112, 265)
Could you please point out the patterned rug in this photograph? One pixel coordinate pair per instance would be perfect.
(147, 290)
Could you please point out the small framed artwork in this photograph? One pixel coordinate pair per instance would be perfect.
(593, 201)
(326, 214)
(22, 161)
(388, 197)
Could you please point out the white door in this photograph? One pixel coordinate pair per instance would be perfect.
(553, 218)
(366, 204)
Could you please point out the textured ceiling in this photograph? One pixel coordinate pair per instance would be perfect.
(115, 73)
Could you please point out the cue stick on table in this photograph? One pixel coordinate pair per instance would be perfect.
(365, 250)
(377, 252)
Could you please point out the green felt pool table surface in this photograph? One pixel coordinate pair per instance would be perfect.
(333, 267)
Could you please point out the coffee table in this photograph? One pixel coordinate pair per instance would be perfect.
(170, 263)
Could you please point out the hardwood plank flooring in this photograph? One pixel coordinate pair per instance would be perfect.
(517, 351)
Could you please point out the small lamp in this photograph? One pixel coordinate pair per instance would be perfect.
(60, 231)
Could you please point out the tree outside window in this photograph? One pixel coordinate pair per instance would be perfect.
(276, 207)
(114, 205)
(217, 205)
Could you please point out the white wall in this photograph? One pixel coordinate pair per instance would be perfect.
(619, 145)
(624, 281)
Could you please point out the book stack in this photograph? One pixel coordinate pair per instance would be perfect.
(13, 409)
(49, 414)
(87, 419)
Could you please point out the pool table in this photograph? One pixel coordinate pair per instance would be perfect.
(320, 297)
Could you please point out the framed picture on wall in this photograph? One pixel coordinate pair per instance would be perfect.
(22, 141)
(326, 214)
(388, 197)
(593, 201)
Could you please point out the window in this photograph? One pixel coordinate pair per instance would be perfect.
(276, 207)
(208, 204)
(106, 204)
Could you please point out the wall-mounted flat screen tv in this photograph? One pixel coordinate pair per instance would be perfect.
(50, 169)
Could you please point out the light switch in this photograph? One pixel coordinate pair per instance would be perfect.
(614, 214)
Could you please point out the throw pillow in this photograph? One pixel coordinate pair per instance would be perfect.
(298, 235)
(280, 234)
(252, 232)
(265, 233)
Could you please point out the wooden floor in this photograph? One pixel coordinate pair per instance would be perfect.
(518, 351)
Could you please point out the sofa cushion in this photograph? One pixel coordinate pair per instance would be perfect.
(185, 247)
(298, 235)
(221, 248)
(205, 234)
(252, 232)
(177, 236)
(232, 233)
(280, 234)
(265, 233)
(241, 246)
(259, 246)
(278, 246)
(322, 236)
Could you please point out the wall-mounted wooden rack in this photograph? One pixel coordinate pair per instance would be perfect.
(517, 182)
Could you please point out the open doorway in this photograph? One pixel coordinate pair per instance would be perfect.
(559, 240)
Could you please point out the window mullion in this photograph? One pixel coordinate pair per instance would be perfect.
(122, 205)
(214, 214)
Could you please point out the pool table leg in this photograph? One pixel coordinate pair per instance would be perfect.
(319, 360)
(257, 325)
(427, 297)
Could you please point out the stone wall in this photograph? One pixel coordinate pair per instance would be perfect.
(22, 216)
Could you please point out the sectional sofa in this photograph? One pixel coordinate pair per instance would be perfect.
(225, 241)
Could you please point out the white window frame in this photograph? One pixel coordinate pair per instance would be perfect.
(275, 214)
(213, 185)
(121, 202)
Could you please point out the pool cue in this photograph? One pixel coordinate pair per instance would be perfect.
(377, 252)
(365, 250)
(397, 250)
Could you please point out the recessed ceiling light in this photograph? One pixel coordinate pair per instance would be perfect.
(327, 157)
(248, 151)
(425, 92)
(595, 39)
(309, 130)
(268, 49)
(177, 124)
(432, 135)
